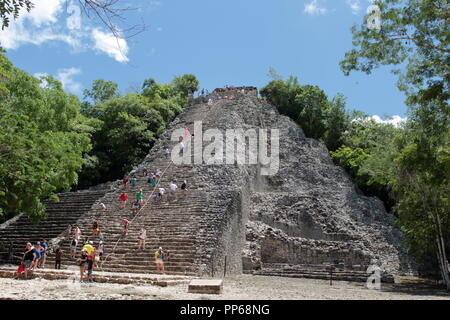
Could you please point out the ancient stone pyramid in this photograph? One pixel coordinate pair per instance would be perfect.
(297, 222)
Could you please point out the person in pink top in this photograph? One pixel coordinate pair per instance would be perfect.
(125, 223)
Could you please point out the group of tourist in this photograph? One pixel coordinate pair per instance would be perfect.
(227, 93)
(35, 255)
(153, 179)
(33, 258)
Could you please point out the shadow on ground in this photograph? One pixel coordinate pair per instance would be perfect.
(416, 287)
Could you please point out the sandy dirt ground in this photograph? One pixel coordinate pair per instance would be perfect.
(244, 287)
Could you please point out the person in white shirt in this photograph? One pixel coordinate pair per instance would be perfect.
(102, 208)
(161, 193)
(173, 188)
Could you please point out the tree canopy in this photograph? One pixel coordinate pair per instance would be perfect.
(129, 124)
(42, 140)
(309, 106)
(414, 35)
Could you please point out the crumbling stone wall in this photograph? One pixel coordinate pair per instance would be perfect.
(308, 213)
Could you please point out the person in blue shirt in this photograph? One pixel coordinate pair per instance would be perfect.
(44, 248)
(37, 252)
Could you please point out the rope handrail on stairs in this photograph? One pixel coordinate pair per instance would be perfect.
(145, 203)
(137, 214)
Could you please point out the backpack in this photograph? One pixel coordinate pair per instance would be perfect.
(155, 255)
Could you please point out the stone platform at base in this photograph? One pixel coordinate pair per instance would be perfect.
(102, 277)
(208, 286)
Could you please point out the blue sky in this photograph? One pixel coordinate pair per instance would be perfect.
(230, 42)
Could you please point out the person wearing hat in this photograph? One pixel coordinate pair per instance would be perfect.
(160, 256)
(89, 248)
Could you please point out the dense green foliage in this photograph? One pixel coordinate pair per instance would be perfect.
(367, 154)
(42, 139)
(130, 124)
(12, 8)
(414, 33)
(50, 141)
(309, 106)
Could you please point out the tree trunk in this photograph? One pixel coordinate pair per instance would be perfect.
(442, 257)
(444, 261)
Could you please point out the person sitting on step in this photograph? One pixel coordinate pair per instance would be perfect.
(135, 208)
(161, 193)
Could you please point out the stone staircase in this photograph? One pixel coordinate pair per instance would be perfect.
(68, 210)
(183, 225)
(170, 223)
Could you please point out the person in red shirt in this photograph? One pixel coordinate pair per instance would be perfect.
(123, 200)
(125, 182)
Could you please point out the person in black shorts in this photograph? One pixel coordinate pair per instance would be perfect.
(83, 261)
(58, 256)
(28, 259)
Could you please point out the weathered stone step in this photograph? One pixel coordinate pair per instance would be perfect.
(105, 277)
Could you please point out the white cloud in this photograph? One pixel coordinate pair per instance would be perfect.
(34, 26)
(313, 8)
(65, 75)
(355, 5)
(116, 48)
(394, 120)
(52, 20)
(39, 75)
(44, 12)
